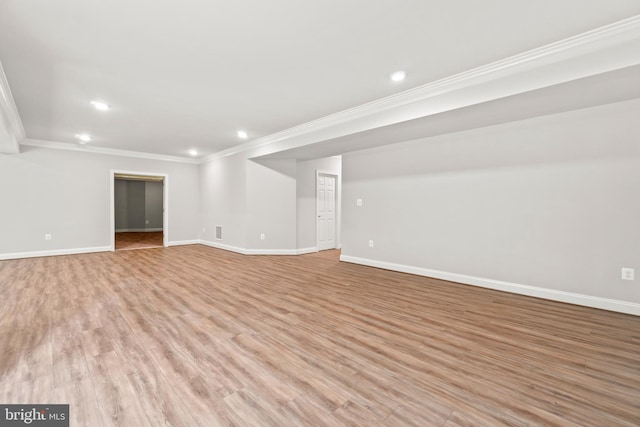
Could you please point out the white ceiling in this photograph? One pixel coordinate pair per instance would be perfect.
(188, 74)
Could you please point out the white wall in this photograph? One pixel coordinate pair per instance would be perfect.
(249, 198)
(552, 203)
(306, 198)
(223, 200)
(271, 204)
(67, 194)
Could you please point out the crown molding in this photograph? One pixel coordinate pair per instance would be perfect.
(593, 41)
(108, 151)
(9, 112)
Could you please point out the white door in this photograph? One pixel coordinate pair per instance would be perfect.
(326, 207)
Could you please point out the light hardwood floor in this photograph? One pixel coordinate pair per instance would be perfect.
(195, 336)
(138, 240)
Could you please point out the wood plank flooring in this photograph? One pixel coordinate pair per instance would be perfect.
(195, 336)
(138, 240)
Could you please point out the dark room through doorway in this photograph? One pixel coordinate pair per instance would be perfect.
(138, 211)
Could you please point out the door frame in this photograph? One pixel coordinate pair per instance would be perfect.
(336, 237)
(165, 204)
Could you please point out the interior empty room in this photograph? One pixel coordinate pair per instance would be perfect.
(361, 213)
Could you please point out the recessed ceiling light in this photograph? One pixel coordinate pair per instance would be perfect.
(193, 152)
(100, 106)
(398, 76)
(242, 134)
(83, 137)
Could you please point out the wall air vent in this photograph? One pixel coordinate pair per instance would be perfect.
(218, 232)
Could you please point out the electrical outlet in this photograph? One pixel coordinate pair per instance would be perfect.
(47, 237)
(370, 243)
(146, 222)
(262, 236)
(628, 274)
(358, 202)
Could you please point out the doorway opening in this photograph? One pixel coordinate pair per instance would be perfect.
(326, 212)
(139, 214)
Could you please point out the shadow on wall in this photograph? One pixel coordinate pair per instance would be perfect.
(285, 167)
(532, 142)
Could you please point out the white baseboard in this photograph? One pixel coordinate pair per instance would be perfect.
(245, 251)
(271, 252)
(516, 288)
(236, 249)
(281, 251)
(77, 251)
(184, 242)
(138, 230)
(37, 254)
(223, 246)
(306, 251)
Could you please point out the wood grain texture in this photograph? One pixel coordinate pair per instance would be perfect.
(138, 240)
(196, 336)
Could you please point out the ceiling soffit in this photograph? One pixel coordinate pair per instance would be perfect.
(609, 48)
(11, 129)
